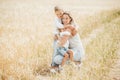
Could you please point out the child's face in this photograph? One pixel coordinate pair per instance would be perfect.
(59, 13)
(66, 19)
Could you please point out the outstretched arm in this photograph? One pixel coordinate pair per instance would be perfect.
(71, 29)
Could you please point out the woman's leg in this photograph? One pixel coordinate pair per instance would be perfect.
(76, 55)
(78, 58)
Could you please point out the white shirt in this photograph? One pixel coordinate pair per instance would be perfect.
(66, 45)
(58, 25)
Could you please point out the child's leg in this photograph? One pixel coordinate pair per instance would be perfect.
(66, 56)
(71, 54)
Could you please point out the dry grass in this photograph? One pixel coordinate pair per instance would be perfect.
(100, 55)
(96, 21)
(26, 43)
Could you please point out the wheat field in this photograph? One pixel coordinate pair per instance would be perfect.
(26, 39)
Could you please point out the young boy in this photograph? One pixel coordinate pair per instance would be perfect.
(59, 12)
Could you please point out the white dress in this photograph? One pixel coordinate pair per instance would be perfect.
(76, 46)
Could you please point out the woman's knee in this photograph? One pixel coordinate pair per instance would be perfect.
(77, 56)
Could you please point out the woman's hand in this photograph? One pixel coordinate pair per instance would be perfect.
(74, 32)
(55, 37)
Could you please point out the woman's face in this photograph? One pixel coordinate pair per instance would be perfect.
(66, 19)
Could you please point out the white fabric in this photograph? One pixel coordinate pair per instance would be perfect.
(66, 45)
(58, 25)
(76, 45)
(64, 33)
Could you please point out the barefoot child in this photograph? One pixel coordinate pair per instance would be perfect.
(58, 11)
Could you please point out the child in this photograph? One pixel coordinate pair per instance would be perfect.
(58, 24)
(58, 11)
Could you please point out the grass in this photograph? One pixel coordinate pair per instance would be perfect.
(26, 51)
(100, 56)
(93, 22)
(102, 50)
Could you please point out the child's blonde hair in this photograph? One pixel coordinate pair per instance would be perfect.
(56, 8)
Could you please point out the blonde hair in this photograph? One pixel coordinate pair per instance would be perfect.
(56, 8)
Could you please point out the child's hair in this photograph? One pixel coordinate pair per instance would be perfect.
(56, 8)
(66, 13)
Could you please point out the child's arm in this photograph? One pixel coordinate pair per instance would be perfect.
(58, 24)
(71, 29)
(58, 27)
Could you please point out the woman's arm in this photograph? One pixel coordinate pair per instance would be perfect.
(72, 29)
(74, 32)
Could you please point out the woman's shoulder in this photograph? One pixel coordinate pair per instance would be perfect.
(74, 24)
